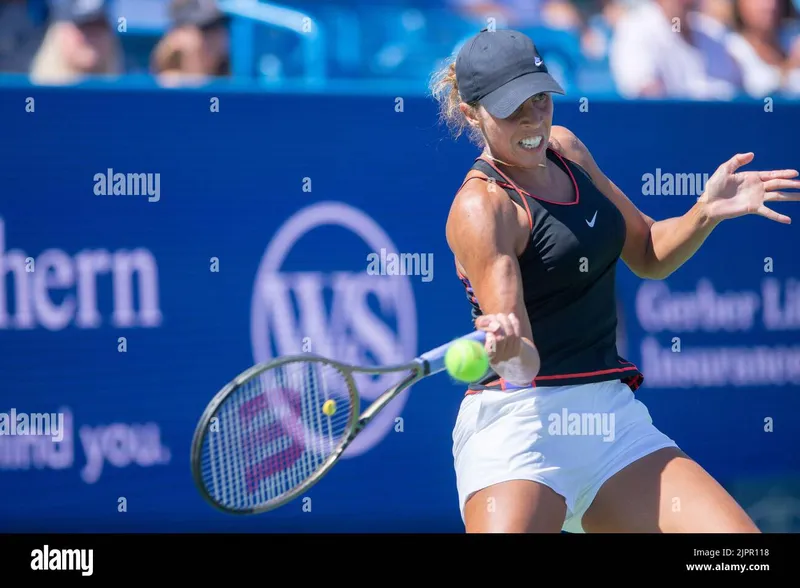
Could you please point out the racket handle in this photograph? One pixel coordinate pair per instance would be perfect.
(435, 357)
(479, 336)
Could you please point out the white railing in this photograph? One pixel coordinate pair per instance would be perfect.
(247, 14)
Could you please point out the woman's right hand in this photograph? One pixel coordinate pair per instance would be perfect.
(513, 358)
(503, 339)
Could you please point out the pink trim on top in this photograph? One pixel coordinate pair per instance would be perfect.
(569, 171)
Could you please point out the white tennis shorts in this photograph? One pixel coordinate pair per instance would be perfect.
(569, 438)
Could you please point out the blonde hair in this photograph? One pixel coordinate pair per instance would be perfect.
(444, 89)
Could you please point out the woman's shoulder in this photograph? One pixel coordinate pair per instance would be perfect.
(479, 195)
(567, 145)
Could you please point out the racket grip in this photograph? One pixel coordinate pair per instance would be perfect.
(479, 336)
(435, 357)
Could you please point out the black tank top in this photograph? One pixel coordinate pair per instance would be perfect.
(568, 278)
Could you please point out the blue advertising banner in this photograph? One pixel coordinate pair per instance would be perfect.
(155, 244)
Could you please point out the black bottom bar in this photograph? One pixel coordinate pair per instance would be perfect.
(232, 556)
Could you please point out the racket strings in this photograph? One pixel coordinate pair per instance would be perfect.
(271, 435)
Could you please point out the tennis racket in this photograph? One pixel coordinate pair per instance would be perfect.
(271, 434)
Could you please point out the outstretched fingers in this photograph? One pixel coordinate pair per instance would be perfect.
(780, 182)
(778, 173)
(781, 197)
(772, 215)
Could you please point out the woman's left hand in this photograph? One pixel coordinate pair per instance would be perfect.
(730, 193)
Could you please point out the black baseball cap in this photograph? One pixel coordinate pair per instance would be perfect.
(502, 69)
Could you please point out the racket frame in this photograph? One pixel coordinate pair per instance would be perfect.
(421, 367)
(356, 422)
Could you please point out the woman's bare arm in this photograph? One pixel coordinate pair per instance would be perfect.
(653, 250)
(485, 234)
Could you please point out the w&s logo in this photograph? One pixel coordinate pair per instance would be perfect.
(341, 312)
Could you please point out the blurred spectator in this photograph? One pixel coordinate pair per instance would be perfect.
(710, 27)
(720, 11)
(509, 13)
(561, 15)
(602, 19)
(79, 41)
(197, 45)
(661, 48)
(20, 36)
(768, 66)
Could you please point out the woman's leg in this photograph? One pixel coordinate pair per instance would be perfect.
(665, 492)
(516, 506)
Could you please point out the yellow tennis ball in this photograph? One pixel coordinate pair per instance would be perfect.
(466, 361)
(329, 407)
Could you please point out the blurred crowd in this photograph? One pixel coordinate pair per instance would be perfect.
(691, 49)
(62, 41)
(695, 49)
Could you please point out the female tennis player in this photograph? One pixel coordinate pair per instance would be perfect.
(536, 230)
